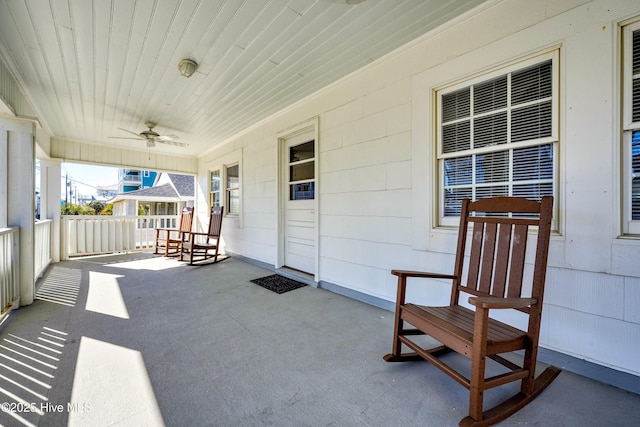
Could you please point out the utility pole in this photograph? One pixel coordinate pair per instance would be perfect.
(66, 191)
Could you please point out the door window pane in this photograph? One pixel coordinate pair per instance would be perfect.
(302, 171)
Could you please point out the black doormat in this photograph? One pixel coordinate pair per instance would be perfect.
(278, 284)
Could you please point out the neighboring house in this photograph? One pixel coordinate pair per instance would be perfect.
(166, 196)
(148, 178)
(106, 192)
(135, 179)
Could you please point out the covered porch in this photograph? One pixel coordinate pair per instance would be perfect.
(136, 339)
(206, 341)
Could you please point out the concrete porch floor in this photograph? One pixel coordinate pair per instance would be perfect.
(140, 340)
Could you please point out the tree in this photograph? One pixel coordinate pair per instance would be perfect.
(97, 206)
(108, 209)
(73, 209)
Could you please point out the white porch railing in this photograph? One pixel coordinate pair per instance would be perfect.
(102, 234)
(42, 237)
(9, 268)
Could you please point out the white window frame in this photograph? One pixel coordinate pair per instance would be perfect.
(212, 191)
(227, 190)
(554, 56)
(630, 226)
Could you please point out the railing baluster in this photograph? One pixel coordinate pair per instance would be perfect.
(9, 286)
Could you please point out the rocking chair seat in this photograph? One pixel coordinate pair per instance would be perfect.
(453, 325)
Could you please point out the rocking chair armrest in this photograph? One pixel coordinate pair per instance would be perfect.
(495, 302)
(423, 274)
(196, 233)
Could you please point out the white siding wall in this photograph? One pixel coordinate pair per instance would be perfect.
(377, 176)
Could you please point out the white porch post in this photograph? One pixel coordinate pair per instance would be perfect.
(20, 198)
(4, 176)
(50, 196)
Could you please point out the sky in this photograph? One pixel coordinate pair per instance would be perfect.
(85, 178)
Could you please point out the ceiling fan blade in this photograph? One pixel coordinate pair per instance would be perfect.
(168, 137)
(132, 133)
(171, 142)
(125, 137)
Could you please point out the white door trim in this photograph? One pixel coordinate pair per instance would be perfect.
(305, 127)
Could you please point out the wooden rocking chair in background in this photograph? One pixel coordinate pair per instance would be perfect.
(200, 247)
(171, 239)
(494, 282)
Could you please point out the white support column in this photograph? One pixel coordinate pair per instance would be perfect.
(4, 175)
(50, 196)
(21, 197)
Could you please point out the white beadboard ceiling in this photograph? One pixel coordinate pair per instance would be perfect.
(91, 67)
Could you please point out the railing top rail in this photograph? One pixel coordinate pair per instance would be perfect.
(43, 221)
(9, 230)
(107, 217)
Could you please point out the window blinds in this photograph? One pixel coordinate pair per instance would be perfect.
(495, 137)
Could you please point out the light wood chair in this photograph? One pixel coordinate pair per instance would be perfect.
(491, 275)
(171, 239)
(200, 247)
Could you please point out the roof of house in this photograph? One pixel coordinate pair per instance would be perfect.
(165, 190)
(180, 187)
(184, 184)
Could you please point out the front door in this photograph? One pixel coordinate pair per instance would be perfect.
(299, 199)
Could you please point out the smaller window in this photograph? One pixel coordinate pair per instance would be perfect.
(146, 174)
(214, 188)
(233, 190)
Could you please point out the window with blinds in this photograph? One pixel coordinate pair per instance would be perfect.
(631, 131)
(497, 136)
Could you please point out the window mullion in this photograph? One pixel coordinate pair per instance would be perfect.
(510, 184)
(509, 109)
(472, 142)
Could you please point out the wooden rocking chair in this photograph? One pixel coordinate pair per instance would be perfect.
(203, 246)
(494, 277)
(171, 239)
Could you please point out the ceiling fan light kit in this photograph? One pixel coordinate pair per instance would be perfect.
(187, 67)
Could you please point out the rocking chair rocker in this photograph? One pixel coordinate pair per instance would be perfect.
(494, 276)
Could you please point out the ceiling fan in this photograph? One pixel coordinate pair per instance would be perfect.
(151, 137)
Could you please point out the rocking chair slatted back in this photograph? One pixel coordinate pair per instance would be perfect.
(186, 219)
(497, 251)
(215, 222)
